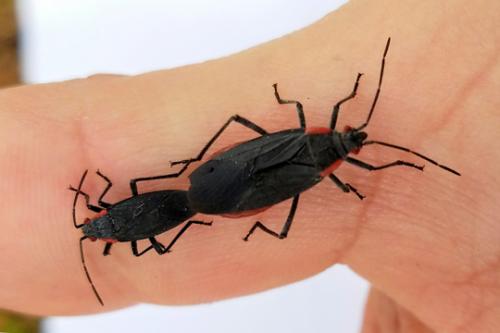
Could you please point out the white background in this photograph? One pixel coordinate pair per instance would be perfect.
(67, 39)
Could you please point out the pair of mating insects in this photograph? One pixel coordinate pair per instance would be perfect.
(241, 180)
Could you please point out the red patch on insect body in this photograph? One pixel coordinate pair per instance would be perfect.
(245, 213)
(331, 168)
(318, 130)
(109, 240)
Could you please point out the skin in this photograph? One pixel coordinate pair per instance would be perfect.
(428, 242)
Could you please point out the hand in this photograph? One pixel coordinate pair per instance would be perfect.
(428, 242)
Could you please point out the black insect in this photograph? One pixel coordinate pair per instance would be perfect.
(141, 216)
(254, 175)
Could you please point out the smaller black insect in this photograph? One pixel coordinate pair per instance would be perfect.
(141, 216)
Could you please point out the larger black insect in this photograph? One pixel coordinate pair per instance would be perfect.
(254, 175)
(141, 216)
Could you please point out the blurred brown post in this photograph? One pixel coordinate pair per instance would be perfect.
(9, 69)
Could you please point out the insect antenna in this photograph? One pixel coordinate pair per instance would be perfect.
(378, 89)
(87, 272)
(390, 145)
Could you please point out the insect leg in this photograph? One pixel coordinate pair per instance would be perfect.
(87, 272)
(154, 245)
(300, 110)
(236, 118)
(336, 108)
(159, 247)
(133, 182)
(390, 145)
(345, 187)
(186, 226)
(93, 208)
(133, 245)
(107, 248)
(108, 186)
(370, 167)
(284, 231)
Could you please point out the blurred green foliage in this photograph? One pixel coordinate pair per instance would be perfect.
(17, 323)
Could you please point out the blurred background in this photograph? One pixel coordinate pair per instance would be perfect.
(53, 40)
